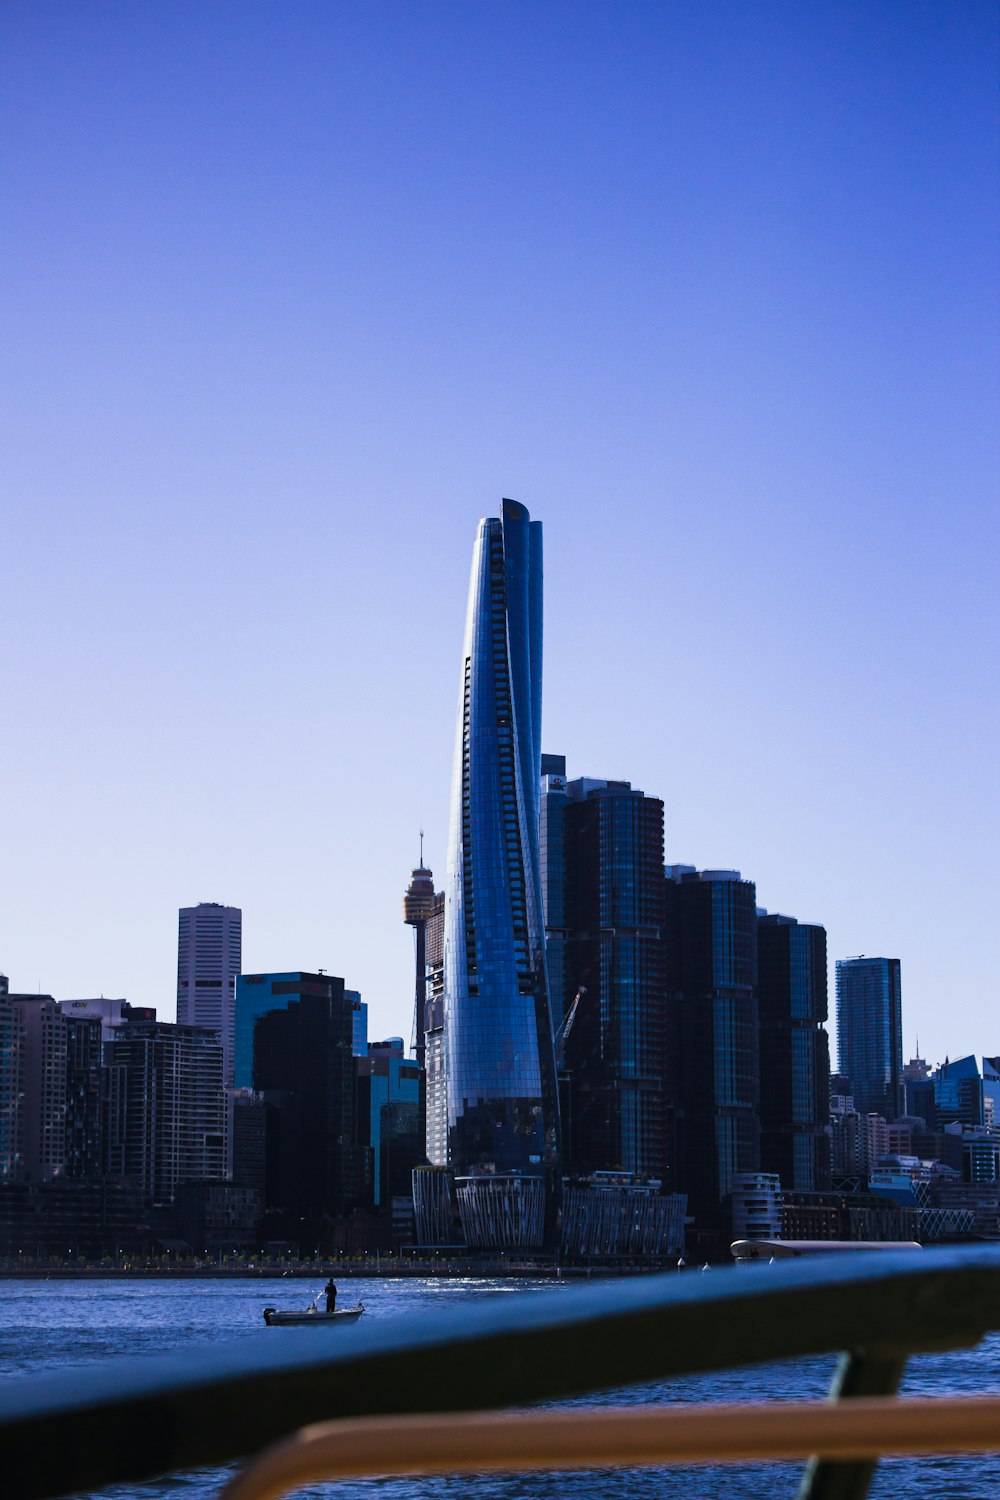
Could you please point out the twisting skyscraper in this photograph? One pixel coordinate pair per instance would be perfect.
(503, 1124)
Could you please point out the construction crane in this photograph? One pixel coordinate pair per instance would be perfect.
(562, 1036)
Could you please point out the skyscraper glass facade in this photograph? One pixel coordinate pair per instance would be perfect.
(710, 931)
(502, 1101)
(870, 1033)
(602, 864)
(794, 1053)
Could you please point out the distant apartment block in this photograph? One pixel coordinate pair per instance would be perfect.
(166, 1107)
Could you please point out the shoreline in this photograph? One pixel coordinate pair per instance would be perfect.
(327, 1268)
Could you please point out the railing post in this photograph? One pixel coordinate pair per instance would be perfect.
(862, 1372)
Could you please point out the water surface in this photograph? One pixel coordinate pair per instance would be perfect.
(67, 1324)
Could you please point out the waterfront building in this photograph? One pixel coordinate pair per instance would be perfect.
(503, 1122)
(794, 1052)
(870, 1032)
(209, 951)
(847, 1138)
(303, 1069)
(165, 1106)
(848, 1216)
(618, 1216)
(602, 883)
(211, 1218)
(11, 1086)
(756, 1203)
(82, 1216)
(435, 1211)
(710, 938)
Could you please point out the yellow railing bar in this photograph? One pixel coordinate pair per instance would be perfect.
(606, 1437)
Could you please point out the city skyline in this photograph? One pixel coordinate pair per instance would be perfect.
(712, 290)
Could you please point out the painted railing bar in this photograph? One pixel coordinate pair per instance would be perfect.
(618, 1437)
(862, 1372)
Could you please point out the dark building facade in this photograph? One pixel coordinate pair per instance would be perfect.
(503, 1112)
(794, 1053)
(710, 940)
(870, 1033)
(303, 1070)
(602, 862)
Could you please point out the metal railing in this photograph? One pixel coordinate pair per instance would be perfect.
(133, 1420)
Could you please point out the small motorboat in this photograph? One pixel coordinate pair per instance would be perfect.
(276, 1317)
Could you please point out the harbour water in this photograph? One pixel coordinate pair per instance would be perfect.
(63, 1324)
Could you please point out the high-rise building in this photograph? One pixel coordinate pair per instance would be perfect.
(110, 1013)
(794, 1053)
(602, 881)
(870, 1033)
(257, 994)
(303, 1068)
(710, 938)
(165, 1107)
(359, 1024)
(61, 1080)
(503, 1112)
(209, 950)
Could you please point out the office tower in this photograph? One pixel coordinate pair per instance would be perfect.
(794, 1053)
(503, 1113)
(11, 1086)
(257, 994)
(303, 1068)
(110, 1013)
(602, 881)
(710, 938)
(388, 1090)
(958, 1093)
(209, 944)
(165, 1106)
(870, 1033)
(359, 1023)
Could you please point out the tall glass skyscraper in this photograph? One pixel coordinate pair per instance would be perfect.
(503, 1116)
(870, 1033)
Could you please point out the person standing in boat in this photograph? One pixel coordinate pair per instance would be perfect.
(331, 1295)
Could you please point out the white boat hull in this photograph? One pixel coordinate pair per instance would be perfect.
(277, 1318)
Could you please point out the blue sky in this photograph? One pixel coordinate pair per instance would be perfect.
(292, 294)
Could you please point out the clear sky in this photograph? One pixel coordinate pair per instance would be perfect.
(293, 293)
